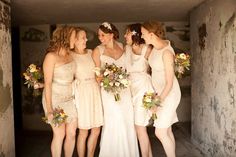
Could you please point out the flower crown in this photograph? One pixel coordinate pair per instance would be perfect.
(107, 25)
(134, 32)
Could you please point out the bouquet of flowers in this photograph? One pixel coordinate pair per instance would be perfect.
(113, 79)
(59, 117)
(33, 76)
(182, 63)
(150, 100)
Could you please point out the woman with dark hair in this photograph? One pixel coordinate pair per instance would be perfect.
(87, 97)
(59, 69)
(118, 134)
(164, 82)
(138, 52)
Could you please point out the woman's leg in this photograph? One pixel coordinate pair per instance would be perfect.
(171, 135)
(92, 141)
(144, 141)
(69, 144)
(166, 140)
(81, 142)
(57, 141)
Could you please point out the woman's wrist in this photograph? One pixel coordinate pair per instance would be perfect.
(48, 113)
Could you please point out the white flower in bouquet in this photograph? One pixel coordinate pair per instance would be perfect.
(117, 84)
(125, 82)
(120, 77)
(106, 73)
(182, 56)
(111, 83)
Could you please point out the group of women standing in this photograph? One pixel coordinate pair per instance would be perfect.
(71, 84)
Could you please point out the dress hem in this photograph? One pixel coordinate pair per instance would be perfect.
(90, 127)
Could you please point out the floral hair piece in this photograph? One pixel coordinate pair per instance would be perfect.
(107, 25)
(134, 32)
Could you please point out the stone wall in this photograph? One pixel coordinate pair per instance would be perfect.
(213, 46)
(7, 145)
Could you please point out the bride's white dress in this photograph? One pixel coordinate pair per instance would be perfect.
(118, 133)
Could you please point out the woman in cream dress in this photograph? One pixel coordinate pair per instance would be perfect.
(59, 69)
(87, 97)
(137, 55)
(118, 133)
(165, 83)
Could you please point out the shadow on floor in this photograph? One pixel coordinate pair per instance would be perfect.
(37, 143)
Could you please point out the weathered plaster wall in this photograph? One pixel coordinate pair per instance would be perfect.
(213, 46)
(7, 145)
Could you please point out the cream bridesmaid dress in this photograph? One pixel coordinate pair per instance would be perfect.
(167, 114)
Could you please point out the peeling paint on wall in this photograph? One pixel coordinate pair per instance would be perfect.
(5, 95)
(220, 25)
(229, 24)
(202, 33)
(5, 17)
(231, 94)
(213, 44)
(229, 144)
(234, 64)
(2, 154)
(7, 144)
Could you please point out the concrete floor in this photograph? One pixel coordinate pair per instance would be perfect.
(37, 144)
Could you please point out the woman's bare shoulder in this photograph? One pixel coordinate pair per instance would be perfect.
(50, 56)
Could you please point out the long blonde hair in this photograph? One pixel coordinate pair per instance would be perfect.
(60, 38)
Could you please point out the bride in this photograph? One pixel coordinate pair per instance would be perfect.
(118, 134)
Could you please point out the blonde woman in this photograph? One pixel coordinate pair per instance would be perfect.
(87, 97)
(59, 69)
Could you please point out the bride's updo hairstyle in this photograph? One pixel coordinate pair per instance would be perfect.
(155, 27)
(109, 28)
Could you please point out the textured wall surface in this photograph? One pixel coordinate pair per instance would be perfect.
(7, 146)
(213, 45)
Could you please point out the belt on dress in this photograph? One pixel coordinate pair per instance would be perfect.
(64, 83)
(86, 80)
(64, 98)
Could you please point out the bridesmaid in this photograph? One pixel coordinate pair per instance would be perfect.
(165, 83)
(138, 53)
(59, 68)
(87, 96)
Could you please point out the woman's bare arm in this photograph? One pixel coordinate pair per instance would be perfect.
(48, 69)
(168, 60)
